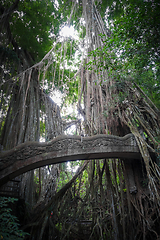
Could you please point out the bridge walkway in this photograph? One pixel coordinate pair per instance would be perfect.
(31, 155)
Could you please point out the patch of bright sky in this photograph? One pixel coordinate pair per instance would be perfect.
(57, 97)
(71, 168)
(56, 4)
(68, 32)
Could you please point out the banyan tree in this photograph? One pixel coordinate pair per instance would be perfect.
(100, 71)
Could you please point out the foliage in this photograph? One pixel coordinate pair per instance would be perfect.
(32, 25)
(131, 52)
(9, 226)
(35, 24)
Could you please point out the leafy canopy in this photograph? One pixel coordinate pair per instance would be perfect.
(34, 24)
(132, 52)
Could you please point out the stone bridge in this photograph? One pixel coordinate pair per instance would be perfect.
(31, 155)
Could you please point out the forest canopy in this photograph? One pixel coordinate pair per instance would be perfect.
(108, 72)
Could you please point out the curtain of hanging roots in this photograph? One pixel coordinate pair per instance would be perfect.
(104, 113)
(26, 106)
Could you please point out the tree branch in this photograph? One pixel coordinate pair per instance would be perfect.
(69, 124)
(7, 12)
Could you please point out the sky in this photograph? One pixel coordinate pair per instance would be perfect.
(69, 31)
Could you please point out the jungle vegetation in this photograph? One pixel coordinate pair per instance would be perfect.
(109, 72)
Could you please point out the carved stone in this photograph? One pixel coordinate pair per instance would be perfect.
(31, 155)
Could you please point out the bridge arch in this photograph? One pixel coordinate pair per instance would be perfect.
(31, 155)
